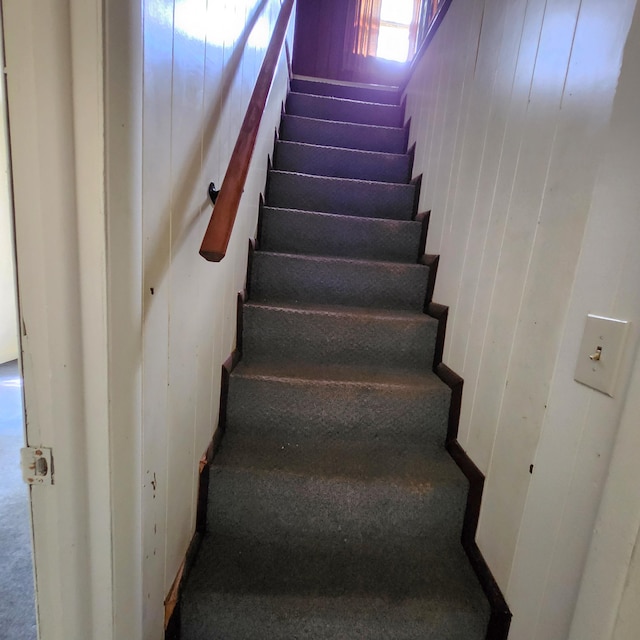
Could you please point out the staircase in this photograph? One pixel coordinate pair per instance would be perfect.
(334, 510)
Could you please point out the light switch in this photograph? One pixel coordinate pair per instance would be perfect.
(601, 353)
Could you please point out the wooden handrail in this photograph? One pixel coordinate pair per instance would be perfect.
(216, 237)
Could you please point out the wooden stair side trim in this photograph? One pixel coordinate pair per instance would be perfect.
(412, 156)
(500, 617)
(216, 238)
(423, 217)
(417, 183)
(172, 601)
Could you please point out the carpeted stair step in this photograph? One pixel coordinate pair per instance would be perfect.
(340, 195)
(343, 134)
(356, 498)
(339, 523)
(336, 497)
(351, 566)
(338, 335)
(344, 110)
(295, 404)
(273, 616)
(329, 234)
(352, 91)
(281, 277)
(283, 528)
(342, 163)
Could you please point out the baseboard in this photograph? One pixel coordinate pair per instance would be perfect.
(432, 262)
(500, 619)
(172, 601)
(424, 217)
(417, 183)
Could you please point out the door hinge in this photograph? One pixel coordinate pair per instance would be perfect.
(37, 465)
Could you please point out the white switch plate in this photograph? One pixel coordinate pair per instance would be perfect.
(607, 337)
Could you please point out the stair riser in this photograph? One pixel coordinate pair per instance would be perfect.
(345, 91)
(298, 411)
(260, 617)
(340, 134)
(275, 335)
(283, 278)
(350, 565)
(294, 231)
(342, 163)
(336, 195)
(329, 108)
(322, 512)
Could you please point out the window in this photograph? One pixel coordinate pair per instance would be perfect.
(390, 29)
(394, 37)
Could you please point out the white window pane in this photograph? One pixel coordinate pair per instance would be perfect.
(393, 43)
(400, 11)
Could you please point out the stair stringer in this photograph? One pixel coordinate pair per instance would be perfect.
(500, 618)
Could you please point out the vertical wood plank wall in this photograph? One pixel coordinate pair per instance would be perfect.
(190, 71)
(8, 296)
(510, 111)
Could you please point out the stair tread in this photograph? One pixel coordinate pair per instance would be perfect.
(325, 160)
(346, 135)
(303, 232)
(344, 109)
(358, 125)
(351, 566)
(347, 181)
(343, 310)
(387, 223)
(399, 266)
(385, 94)
(350, 101)
(367, 198)
(364, 152)
(295, 617)
(358, 462)
(368, 376)
(346, 83)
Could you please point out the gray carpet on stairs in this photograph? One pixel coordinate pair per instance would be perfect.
(334, 510)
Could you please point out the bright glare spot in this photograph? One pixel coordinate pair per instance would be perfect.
(393, 43)
(190, 19)
(260, 36)
(400, 11)
(11, 383)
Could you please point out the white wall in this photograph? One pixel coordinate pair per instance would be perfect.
(180, 75)
(607, 605)
(8, 299)
(121, 114)
(511, 109)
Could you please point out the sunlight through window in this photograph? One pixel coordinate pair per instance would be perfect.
(394, 34)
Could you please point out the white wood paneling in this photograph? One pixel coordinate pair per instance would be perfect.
(199, 61)
(512, 190)
(125, 325)
(8, 294)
